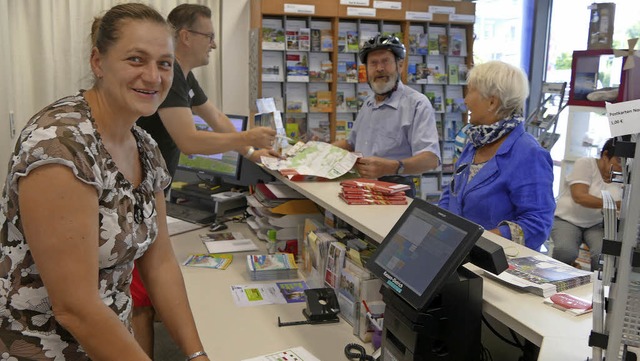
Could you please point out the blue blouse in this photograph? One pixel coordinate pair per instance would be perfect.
(516, 185)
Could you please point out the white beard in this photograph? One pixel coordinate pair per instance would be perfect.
(383, 88)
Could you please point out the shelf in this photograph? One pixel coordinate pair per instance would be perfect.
(439, 54)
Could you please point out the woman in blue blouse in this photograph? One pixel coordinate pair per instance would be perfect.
(503, 179)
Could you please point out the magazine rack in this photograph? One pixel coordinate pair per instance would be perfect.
(542, 122)
(616, 320)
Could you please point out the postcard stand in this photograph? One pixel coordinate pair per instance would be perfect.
(447, 329)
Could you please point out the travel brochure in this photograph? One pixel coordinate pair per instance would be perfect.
(257, 294)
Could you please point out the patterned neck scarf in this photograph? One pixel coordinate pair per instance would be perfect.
(480, 135)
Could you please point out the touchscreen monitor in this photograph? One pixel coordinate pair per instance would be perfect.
(422, 250)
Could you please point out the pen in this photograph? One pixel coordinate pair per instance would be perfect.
(370, 316)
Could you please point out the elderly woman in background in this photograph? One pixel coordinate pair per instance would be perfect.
(503, 179)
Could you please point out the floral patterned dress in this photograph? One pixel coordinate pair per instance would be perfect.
(64, 133)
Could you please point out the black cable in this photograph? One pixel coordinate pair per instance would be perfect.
(500, 336)
(359, 355)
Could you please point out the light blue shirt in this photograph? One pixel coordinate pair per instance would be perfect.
(400, 127)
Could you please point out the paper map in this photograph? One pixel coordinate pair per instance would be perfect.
(316, 159)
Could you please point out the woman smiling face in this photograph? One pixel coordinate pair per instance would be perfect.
(135, 73)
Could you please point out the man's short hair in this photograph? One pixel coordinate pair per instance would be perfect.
(184, 16)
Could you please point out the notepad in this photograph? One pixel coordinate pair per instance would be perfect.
(236, 245)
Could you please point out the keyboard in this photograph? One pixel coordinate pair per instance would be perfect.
(190, 214)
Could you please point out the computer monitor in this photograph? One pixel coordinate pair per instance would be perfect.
(215, 168)
(421, 252)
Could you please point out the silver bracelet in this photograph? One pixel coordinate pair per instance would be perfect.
(196, 354)
(250, 152)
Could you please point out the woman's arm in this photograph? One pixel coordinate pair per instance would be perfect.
(162, 278)
(60, 221)
(531, 193)
(580, 195)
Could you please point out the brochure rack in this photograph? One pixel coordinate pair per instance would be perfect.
(616, 319)
(306, 58)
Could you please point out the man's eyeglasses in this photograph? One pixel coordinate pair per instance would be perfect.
(211, 36)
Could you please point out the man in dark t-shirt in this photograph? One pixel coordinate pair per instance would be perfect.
(172, 126)
(184, 93)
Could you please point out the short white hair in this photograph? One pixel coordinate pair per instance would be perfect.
(504, 81)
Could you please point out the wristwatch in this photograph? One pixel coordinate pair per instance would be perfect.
(400, 169)
(249, 152)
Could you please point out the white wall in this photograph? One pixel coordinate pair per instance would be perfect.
(43, 63)
(235, 56)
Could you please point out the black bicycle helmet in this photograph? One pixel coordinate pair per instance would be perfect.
(378, 42)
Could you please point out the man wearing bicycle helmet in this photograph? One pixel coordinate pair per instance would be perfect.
(395, 129)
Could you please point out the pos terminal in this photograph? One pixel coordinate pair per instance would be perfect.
(433, 305)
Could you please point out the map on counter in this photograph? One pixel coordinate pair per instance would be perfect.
(315, 159)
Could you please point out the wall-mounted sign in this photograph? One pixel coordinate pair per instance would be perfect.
(299, 9)
(418, 15)
(462, 18)
(361, 12)
(392, 5)
(442, 9)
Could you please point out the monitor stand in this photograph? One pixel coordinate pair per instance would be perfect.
(448, 329)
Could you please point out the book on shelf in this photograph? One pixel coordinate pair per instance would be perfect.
(320, 67)
(435, 95)
(320, 101)
(326, 40)
(296, 126)
(352, 72)
(292, 39)
(272, 65)
(436, 69)
(352, 41)
(296, 97)
(271, 266)
(433, 48)
(304, 39)
(422, 73)
(315, 39)
(542, 275)
(452, 125)
(343, 126)
(443, 44)
(453, 74)
(319, 126)
(457, 41)
(412, 49)
(455, 99)
(374, 185)
(342, 41)
(297, 67)
(273, 38)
